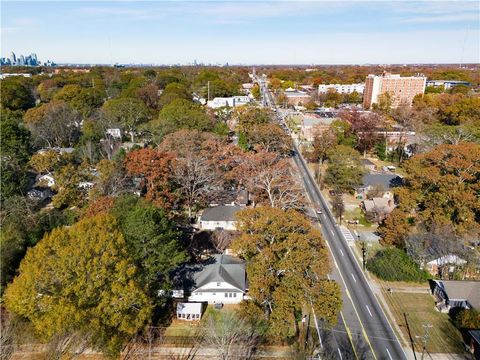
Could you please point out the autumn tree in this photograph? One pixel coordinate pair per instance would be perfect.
(287, 267)
(54, 124)
(73, 280)
(344, 170)
(271, 180)
(155, 168)
(270, 137)
(322, 143)
(395, 229)
(443, 184)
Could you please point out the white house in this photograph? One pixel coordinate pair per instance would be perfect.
(115, 133)
(222, 281)
(219, 217)
(232, 101)
(435, 266)
(189, 311)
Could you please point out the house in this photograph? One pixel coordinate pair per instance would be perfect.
(243, 198)
(232, 101)
(436, 265)
(451, 294)
(369, 165)
(313, 125)
(384, 182)
(223, 280)
(189, 311)
(219, 217)
(46, 180)
(378, 208)
(39, 193)
(296, 98)
(115, 133)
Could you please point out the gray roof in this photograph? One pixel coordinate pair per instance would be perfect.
(367, 162)
(224, 268)
(388, 181)
(220, 213)
(467, 290)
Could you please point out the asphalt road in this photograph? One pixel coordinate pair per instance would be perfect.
(362, 320)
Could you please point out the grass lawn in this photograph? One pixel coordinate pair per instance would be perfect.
(419, 310)
(182, 328)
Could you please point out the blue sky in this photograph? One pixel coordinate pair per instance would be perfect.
(273, 32)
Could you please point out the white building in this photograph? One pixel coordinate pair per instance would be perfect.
(115, 133)
(219, 217)
(189, 311)
(341, 88)
(221, 282)
(447, 84)
(232, 101)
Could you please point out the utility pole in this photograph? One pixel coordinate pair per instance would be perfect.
(208, 90)
(364, 254)
(425, 337)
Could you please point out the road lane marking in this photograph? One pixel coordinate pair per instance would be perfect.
(349, 335)
(353, 277)
(369, 310)
(340, 354)
(341, 252)
(333, 233)
(388, 352)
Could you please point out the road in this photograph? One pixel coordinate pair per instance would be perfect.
(362, 318)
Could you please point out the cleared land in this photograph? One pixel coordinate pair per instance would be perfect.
(412, 311)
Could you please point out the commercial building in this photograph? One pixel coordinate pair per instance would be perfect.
(402, 89)
(232, 101)
(341, 88)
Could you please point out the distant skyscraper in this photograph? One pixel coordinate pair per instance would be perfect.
(13, 58)
(401, 89)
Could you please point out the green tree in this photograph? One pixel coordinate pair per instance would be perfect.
(174, 91)
(81, 279)
(127, 112)
(14, 141)
(151, 240)
(287, 267)
(16, 93)
(181, 114)
(345, 169)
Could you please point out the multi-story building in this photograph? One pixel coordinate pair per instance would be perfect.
(401, 89)
(341, 88)
(447, 84)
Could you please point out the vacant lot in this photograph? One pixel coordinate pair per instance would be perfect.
(412, 311)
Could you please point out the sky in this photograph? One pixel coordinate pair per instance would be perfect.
(262, 32)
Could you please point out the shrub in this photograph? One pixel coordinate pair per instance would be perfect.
(393, 264)
(467, 319)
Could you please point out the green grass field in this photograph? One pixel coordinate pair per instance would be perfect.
(420, 310)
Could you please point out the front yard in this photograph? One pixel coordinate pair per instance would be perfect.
(414, 310)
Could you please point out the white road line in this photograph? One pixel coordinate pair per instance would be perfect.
(388, 352)
(341, 252)
(332, 232)
(340, 353)
(369, 310)
(353, 277)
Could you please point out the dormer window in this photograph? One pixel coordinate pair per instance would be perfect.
(218, 284)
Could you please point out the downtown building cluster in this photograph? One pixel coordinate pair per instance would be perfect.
(29, 60)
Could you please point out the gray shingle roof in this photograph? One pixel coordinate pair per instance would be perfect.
(224, 268)
(468, 290)
(220, 213)
(386, 180)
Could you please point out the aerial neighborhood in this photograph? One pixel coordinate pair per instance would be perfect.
(219, 211)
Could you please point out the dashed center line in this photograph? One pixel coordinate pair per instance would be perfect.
(369, 310)
(341, 252)
(388, 352)
(353, 278)
(340, 353)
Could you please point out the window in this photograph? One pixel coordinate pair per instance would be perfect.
(218, 284)
(234, 294)
(214, 294)
(226, 294)
(230, 295)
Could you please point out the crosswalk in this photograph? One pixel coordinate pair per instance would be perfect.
(346, 233)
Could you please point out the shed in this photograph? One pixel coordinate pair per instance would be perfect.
(189, 311)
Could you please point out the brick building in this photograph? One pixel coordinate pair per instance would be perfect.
(402, 89)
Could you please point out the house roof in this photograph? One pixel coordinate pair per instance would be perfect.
(220, 213)
(459, 289)
(388, 181)
(447, 259)
(224, 268)
(189, 308)
(475, 334)
(379, 204)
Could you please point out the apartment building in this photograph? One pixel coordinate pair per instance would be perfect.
(401, 88)
(341, 88)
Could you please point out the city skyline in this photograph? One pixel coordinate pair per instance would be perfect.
(221, 32)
